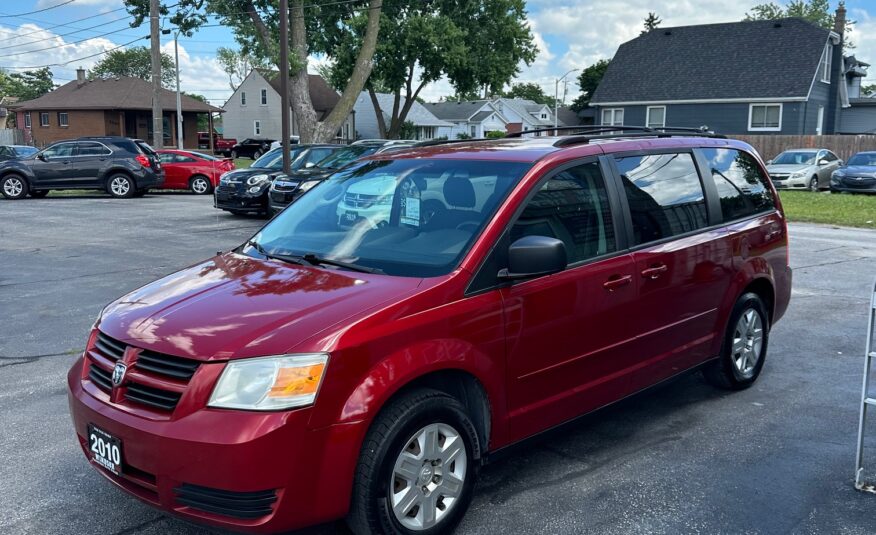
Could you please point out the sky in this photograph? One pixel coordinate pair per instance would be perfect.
(570, 34)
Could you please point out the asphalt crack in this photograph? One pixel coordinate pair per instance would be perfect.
(138, 527)
(34, 358)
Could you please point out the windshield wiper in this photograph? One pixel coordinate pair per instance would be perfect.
(312, 259)
(273, 256)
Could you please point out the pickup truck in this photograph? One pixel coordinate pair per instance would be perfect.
(221, 146)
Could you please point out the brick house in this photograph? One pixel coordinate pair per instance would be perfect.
(106, 107)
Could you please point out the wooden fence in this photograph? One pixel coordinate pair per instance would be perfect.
(843, 146)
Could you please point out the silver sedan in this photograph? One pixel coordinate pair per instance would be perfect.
(803, 168)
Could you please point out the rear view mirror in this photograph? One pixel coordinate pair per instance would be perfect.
(534, 256)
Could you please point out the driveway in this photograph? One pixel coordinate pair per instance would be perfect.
(684, 458)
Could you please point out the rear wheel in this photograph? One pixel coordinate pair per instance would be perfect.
(257, 154)
(234, 154)
(13, 186)
(745, 345)
(813, 184)
(200, 185)
(39, 194)
(120, 186)
(417, 468)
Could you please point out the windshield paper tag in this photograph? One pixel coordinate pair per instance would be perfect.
(411, 212)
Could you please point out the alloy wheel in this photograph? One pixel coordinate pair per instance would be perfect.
(200, 185)
(13, 186)
(747, 342)
(813, 184)
(428, 477)
(120, 186)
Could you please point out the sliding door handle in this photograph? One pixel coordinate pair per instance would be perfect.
(616, 281)
(654, 271)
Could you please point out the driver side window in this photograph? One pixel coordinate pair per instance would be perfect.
(573, 207)
(59, 151)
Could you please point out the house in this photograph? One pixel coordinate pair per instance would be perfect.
(859, 117)
(472, 118)
(106, 107)
(568, 117)
(753, 77)
(523, 114)
(427, 125)
(253, 109)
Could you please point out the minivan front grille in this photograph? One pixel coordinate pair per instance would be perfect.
(147, 364)
(225, 502)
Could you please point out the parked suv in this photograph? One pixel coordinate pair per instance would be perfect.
(322, 371)
(121, 166)
(251, 148)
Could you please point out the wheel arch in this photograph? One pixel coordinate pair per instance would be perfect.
(763, 288)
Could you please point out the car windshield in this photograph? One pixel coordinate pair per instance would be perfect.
(795, 158)
(407, 217)
(863, 158)
(346, 155)
(25, 150)
(274, 159)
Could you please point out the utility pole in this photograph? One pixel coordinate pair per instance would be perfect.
(179, 119)
(155, 48)
(284, 84)
(557, 95)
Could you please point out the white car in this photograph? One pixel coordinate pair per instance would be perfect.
(293, 140)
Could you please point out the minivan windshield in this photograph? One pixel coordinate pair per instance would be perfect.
(863, 158)
(792, 157)
(274, 159)
(406, 217)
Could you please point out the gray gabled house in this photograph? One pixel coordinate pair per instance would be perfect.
(781, 76)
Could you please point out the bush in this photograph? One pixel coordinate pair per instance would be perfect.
(495, 134)
(462, 135)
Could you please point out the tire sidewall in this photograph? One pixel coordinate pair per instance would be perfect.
(433, 410)
(132, 188)
(25, 187)
(745, 302)
(206, 180)
(813, 180)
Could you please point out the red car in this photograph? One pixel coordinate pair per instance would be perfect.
(369, 348)
(195, 171)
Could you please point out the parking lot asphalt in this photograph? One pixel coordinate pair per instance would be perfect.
(683, 458)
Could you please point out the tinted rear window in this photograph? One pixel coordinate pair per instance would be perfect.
(741, 185)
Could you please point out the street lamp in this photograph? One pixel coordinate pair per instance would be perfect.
(179, 121)
(557, 94)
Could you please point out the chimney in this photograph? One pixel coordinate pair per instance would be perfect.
(839, 19)
(80, 76)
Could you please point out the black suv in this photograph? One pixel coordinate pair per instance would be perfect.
(121, 166)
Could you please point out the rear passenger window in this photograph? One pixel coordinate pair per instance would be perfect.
(664, 193)
(92, 149)
(573, 207)
(741, 186)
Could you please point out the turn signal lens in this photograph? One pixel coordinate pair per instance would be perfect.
(270, 383)
(297, 381)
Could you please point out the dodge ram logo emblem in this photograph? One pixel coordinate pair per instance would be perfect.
(119, 373)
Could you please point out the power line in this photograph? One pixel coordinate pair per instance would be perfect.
(67, 23)
(38, 10)
(61, 46)
(78, 59)
(61, 34)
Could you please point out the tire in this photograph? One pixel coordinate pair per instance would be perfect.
(392, 449)
(200, 185)
(234, 154)
(39, 194)
(744, 342)
(120, 186)
(813, 184)
(257, 154)
(14, 186)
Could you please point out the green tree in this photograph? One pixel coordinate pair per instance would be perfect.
(256, 28)
(203, 122)
(475, 44)
(651, 22)
(136, 62)
(588, 81)
(529, 91)
(237, 65)
(26, 85)
(868, 90)
(408, 130)
(817, 12)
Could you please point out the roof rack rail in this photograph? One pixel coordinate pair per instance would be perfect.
(586, 127)
(433, 142)
(660, 132)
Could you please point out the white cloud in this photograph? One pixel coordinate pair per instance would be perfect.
(42, 4)
(27, 43)
(200, 74)
(863, 36)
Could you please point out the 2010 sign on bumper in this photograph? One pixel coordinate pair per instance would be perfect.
(106, 450)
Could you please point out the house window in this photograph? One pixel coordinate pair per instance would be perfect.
(62, 118)
(264, 97)
(474, 131)
(257, 128)
(427, 132)
(656, 117)
(613, 116)
(825, 63)
(765, 117)
(44, 119)
(820, 121)
(544, 116)
(27, 120)
(243, 98)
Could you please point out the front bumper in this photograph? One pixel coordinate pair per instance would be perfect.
(796, 183)
(853, 184)
(230, 453)
(233, 199)
(278, 200)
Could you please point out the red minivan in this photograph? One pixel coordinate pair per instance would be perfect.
(366, 351)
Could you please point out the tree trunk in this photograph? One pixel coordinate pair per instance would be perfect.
(381, 122)
(400, 116)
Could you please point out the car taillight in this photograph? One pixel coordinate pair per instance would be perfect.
(143, 160)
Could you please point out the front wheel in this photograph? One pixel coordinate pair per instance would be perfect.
(234, 154)
(417, 468)
(256, 155)
(745, 345)
(13, 187)
(200, 185)
(813, 184)
(120, 186)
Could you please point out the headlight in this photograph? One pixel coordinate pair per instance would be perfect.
(270, 383)
(306, 186)
(837, 174)
(256, 179)
(797, 174)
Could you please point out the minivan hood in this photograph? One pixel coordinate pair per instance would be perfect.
(235, 306)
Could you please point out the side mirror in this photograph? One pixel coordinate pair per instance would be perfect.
(769, 162)
(534, 256)
(41, 156)
(822, 162)
(308, 165)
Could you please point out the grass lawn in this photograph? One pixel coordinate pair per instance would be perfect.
(242, 163)
(846, 209)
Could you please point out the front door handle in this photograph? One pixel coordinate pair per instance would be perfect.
(616, 281)
(66, 161)
(654, 271)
